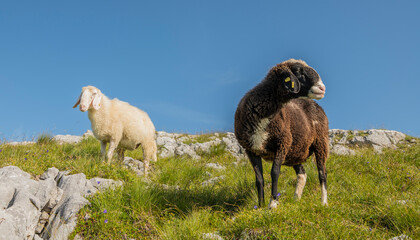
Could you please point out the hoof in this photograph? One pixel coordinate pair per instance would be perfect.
(273, 204)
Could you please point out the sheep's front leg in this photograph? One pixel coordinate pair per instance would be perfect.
(275, 173)
(259, 179)
(301, 180)
(112, 146)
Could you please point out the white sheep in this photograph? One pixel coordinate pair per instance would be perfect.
(118, 123)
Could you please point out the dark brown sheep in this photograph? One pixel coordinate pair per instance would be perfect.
(276, 121)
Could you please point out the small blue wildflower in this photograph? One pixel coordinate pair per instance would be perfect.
(0, 150)
(278, 194)
(255, 207)
(106, 221)
(370, 229)
(105, 211)
(47, 150)
(367, 162)
(26, 159)
(98, 182)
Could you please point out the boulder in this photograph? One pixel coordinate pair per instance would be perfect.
(44, 209)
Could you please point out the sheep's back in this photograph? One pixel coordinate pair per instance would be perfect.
(136, 124)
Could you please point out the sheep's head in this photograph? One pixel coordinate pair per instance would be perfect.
(297, 79)
(90, 97)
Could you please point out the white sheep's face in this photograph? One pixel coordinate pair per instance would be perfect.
(89, 98)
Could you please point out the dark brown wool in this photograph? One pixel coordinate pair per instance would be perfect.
(273, 121)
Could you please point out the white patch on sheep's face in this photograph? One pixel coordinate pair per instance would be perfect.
(85, 100)
(260, 135)
(317, 91)
(301, 181)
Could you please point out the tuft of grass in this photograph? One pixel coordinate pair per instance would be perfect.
(370, 195)
(44, 138)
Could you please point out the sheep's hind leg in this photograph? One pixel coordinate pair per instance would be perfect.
(120, 154)
(301, 180)
(103, 149)
(259, 180)
(322, 174)
(149, 153)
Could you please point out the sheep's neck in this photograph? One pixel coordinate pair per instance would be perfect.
(98, 117)
(267, 103)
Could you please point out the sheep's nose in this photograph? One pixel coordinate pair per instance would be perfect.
(82, 107)
(322, 87)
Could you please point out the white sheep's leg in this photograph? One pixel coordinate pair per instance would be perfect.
(103, 149)
(301, 180)
(112, 147)
(120, 154)
(322, 174)
(146, 160)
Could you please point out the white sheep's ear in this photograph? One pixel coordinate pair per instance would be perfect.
(96, 103)
(78, 101)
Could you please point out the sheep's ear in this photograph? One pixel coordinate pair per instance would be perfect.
(291, 83)
(78, 101)
(96, 103)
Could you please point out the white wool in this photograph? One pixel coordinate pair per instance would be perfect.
(118, 123)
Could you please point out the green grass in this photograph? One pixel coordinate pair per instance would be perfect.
(365, 194)
(202, 138)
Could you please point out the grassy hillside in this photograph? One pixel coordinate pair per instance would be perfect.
(371, 196)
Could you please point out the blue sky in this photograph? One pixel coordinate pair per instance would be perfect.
(188, 63)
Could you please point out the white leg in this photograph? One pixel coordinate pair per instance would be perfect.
(111, 149)
(301, 181)
(324, 194)
(121, 154)
(103, 148)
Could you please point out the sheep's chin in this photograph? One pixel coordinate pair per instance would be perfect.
(316, 96)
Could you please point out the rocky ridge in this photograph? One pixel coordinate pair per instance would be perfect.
(45, 208)
(342, 142)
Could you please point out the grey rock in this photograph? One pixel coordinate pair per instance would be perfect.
(212, 181)
(401, 237)
(135, 165)
(21, 143)
(342, 150)
(168, 146)
(233, 146)
(103, 184)
(213, 236)
(50, 173)
(22, 200)
(215, 166)
(47, 207)
(375, 138)
(87, 134)
(61, 139)
(184, 149)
